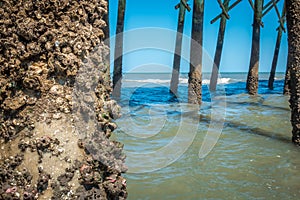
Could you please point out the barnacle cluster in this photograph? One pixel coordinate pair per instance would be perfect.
(43, 43)
(43, 47)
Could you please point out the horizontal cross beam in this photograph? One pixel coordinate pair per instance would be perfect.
(267, 9)
(251, 4)
(185, 5)
(223, 9)
(269, 3)
(279, 16)
(220, 15)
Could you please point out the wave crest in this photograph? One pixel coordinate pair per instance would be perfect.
(181, 81)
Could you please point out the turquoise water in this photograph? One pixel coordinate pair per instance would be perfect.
(232, 147)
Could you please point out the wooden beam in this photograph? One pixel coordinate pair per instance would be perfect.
(118, 54)
(178, 49)
(253, 8)
(196, 50)
(251, 4)
(220, 15)
(269, 8)
(223, 9)
(218, 52)
(276, 52)
(283, 17)
(252, 79)
(269, 3)
(275, 60)
(187, 6)
(278, 15)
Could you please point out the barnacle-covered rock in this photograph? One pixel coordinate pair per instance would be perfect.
(43, 46)
(16, 102)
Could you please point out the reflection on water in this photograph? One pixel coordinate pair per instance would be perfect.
(253, 158)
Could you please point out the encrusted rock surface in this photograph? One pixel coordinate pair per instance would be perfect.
(293, 25)
(47, 51)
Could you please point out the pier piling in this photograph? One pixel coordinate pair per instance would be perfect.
(195, 74)
(252, 79)
(293, 25)
(280, 29)
(219, 47)
(182, 6)
(118, 56)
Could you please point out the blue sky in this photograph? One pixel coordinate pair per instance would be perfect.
(161, 16)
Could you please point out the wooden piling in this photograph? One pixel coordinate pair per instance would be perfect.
(275, 60)
(252, 79)
(277, 48)
(118, 55)
(219, 48)
(220, 15)
(293, 25)
(195, 74)
(178, 46)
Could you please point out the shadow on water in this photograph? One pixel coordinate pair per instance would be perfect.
(245, 128)
(257, 104)
(140, 98)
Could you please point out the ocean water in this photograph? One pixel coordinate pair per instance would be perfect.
(234, 146)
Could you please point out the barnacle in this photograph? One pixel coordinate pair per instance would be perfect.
(32, 82)
(16, 102)
(41, 50)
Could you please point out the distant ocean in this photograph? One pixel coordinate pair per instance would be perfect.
(234, 83)
(253, 157)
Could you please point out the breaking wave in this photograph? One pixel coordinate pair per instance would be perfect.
(181, 81)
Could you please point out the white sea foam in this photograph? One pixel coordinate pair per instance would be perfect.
(279, 78)
(220, 81)
(181, 81)
(207, 81)
(148, 81)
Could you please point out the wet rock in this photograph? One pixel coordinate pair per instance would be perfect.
(14, 103)
(94, 193)
(65, 178)
(113, 109)
(13, 181)
(43, 181)
(116, 187)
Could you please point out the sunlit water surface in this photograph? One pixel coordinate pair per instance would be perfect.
(252, 159)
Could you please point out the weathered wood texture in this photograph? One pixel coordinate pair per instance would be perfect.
(178, 47)
(280, 31)
(293, 24)
(275, 59)
(252, 80)
(219, 49)
(118, 56)
(195, 74)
